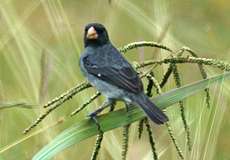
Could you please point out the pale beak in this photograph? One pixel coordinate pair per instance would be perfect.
(91, 33)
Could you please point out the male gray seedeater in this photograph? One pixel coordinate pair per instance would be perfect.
(112, 75)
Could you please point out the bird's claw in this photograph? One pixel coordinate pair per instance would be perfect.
(93, 116)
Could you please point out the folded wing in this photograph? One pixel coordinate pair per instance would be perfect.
(122, 76)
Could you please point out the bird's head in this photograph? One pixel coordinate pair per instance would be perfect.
(95, 34)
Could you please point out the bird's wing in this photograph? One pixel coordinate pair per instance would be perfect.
(119, 74)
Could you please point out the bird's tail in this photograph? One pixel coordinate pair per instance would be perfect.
(152, 111)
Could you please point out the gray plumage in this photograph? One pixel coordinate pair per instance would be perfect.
(112, 75)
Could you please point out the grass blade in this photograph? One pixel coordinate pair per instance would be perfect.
(86, 128)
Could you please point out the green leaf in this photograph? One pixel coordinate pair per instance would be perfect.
(86, 128)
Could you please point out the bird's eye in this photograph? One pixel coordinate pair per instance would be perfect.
(99, 30)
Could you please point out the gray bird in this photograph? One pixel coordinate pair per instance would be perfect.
(112, 75)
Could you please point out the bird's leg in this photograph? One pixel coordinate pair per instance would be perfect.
(106, 104)
(100, 138)
(94, 114)
(127, 106)
(112, 106)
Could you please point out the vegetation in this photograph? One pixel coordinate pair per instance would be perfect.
(39, 50)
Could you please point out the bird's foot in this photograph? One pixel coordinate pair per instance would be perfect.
(93, 116)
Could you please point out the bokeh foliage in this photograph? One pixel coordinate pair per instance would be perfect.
(40, 44)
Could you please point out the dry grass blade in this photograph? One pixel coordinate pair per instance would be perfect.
(45, 71)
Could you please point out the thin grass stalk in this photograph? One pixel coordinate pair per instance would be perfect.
(143, 44)
(56, 103)
(99, 139)
(224, 66)
(140, 128)
(84, 105)
(166, 77)
(149, 86)
(177, 79)
(202, 71)
(170, 131)
(149, 93)
(125, 142)
(159, 91)
(97, 145)
(146, 122)
(45, 71)
(68, 94)
(151, 140)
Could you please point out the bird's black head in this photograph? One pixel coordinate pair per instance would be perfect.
(95, 34)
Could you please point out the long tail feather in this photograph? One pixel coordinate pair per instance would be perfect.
(152, 111)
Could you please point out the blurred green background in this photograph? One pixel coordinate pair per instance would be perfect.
(40, 44)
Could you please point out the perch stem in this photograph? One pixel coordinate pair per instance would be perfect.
(86, 104)
(151, 140)
(100, 138)
(202, 71)
(143, 44)
(68, 94)
(205, 61)
(56, 105)
(159, 91)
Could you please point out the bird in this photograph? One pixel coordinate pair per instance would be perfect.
(112, 75)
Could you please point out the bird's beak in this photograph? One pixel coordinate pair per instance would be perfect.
(92, 33)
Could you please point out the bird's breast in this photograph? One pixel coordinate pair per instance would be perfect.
(108, 90)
